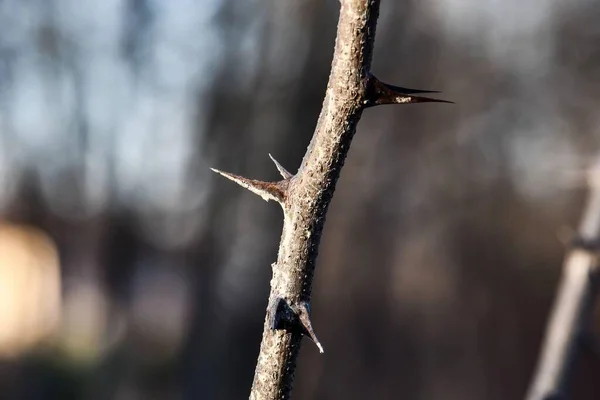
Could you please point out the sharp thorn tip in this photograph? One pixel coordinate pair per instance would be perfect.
(303, 312)
(419, 99)
(321, 350)
(404, 90)
(285, 174)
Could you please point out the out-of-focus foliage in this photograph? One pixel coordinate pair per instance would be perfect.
(440, 256)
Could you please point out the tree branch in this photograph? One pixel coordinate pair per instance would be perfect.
(570, 322)
(305, 196)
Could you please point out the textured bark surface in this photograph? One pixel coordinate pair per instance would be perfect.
(310, 192)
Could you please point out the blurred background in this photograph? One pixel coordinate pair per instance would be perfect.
(128, 270)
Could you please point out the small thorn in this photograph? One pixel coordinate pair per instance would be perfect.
(379, 93)
(266, 190)
(304, 316)
(274, 312)
(284, 172)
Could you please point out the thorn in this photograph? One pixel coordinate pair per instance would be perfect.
(267, 190)
(284, 172)
(379, 93)
(282, 315)
(303, 312)
(404, 90)
(421, 99)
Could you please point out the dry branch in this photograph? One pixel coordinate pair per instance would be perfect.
(306, 195)
(570, 322)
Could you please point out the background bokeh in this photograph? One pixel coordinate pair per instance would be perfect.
(128, 270)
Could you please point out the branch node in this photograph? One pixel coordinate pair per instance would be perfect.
(379, 93)
(267, 190)
(284, 172)
(579, 242)
(282, 315)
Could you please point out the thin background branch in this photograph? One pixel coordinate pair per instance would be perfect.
(570, 322)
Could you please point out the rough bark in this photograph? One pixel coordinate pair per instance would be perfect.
(570, 322)
(306, 195)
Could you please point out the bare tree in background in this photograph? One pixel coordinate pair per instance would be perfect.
(305, 196)
(571, 320)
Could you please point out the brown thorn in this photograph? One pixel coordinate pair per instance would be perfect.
(379, 93)
(404, 90)
(304, 317)
(284, 172)
(267, 190)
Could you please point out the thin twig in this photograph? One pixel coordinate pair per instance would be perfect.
(570, 322)
(305, 196)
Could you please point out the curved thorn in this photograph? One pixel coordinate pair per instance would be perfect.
(266, 190)
(284, 172)
(379, 93)
(304, 317)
